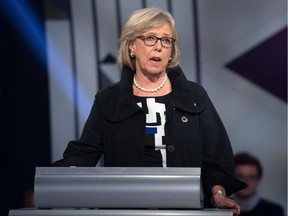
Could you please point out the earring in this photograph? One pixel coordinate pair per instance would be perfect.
(170, 59)
(132, 54)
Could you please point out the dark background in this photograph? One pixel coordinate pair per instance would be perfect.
(24, 108)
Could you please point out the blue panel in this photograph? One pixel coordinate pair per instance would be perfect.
(151, 131)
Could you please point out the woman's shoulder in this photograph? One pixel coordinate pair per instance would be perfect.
(109, 90)
(179, 80)
(123, 85)
(197, 89)
(196, 85)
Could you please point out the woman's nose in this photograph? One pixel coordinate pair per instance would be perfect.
(158, 45)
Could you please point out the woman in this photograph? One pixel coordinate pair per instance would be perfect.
(154, 116)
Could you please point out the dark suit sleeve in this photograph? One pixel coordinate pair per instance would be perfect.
(266, 207)
(89, 148)
(218, 159)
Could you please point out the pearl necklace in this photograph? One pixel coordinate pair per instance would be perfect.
(151, 90)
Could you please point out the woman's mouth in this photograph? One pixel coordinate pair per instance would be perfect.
(155, 59)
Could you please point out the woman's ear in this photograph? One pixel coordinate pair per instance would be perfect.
(131, 47)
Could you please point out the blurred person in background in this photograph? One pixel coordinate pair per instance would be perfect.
(249, 170)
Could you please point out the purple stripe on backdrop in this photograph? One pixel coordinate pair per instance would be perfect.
(266, 65)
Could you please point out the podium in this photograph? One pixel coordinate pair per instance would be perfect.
(111, 191)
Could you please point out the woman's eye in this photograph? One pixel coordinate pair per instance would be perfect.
(166, 40)
(150, 38)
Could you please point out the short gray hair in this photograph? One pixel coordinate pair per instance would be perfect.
(140, 21)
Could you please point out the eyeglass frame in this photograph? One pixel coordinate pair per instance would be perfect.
(143, 37)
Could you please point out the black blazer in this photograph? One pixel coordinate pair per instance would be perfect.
(116, 126)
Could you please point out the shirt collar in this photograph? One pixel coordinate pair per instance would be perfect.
(183, 96)
(249, 203)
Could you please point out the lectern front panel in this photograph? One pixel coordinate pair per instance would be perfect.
(107, 187)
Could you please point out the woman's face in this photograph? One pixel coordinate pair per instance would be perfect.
(152, 59)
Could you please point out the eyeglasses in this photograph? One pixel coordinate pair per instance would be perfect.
(151, 40)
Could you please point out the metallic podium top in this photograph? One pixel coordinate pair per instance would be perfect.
(118, 187)
(119, 212)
